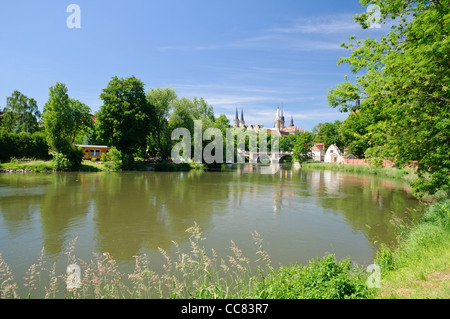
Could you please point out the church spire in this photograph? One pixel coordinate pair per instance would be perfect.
(292, 121)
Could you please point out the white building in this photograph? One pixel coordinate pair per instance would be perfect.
(318, 152)
(332, 154)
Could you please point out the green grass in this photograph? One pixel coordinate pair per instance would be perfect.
(406, 174)
(419, 267)
(28, 165)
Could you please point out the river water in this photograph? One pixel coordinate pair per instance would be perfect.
(300, 214)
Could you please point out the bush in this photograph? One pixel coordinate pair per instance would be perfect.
(61, 162)
(120, 160)
(104, 158)
(438, 214)
(385, 259)
(23, 145)
(324, 278)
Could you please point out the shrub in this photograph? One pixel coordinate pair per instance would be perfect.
(23, 145)
(438, 214)
(104, 158)
(324, 278)
(385, 259)
(61, 162)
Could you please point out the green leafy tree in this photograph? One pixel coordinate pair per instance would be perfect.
(328, 133)
(302, 147)
(403, 85)
(64, 117)
(162, 100)
(288, 142)
(353, 133)
(21, 114)
(126, 118)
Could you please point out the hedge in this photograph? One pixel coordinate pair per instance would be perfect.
(23, 145)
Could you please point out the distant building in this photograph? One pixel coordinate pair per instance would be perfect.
(318, 152)
(332, 154)
(279, 128)
(93, 151)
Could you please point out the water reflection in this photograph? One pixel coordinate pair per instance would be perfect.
(298, 212)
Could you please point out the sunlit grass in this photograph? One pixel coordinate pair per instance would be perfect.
(419, 267)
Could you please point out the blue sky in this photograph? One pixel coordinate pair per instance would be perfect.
(255, 55)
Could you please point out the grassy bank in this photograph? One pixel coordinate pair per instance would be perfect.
(28, 165)
(406, 174)
(419, 267)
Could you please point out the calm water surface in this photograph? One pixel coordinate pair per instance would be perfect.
(300, 214)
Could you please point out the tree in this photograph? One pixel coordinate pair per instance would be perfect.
(126, 118)
(302, 147)
(287, 143)
(328, 133)
(21, 114)
(64, 117)
(402, 83)
(353, 133)
(162, 100)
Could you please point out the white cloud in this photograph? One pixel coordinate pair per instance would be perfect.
(324, 24)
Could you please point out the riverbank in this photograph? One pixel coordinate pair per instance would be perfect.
(40, 166)
(418, 268)
(406, 174)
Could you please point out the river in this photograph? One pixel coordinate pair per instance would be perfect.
(299, 214)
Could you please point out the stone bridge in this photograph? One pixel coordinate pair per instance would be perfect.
(258, 157)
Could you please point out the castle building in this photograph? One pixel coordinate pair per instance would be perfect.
(279, 125)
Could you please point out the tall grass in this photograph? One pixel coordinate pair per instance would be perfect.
(192, 274)
(419, 267)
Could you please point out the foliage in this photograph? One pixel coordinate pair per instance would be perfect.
(61, 162)
(302, 148)
(104, 158)
(328, 133)
(125, 118)
(23, 145)
(418, 267)
(287, 143)
(21, 114)
(402, 86)
(159, 140)
(353, 132)
(68, 158)
(323, 278)
(63, 118)
(186, 111)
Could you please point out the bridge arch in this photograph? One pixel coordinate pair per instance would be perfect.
(285, 157)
